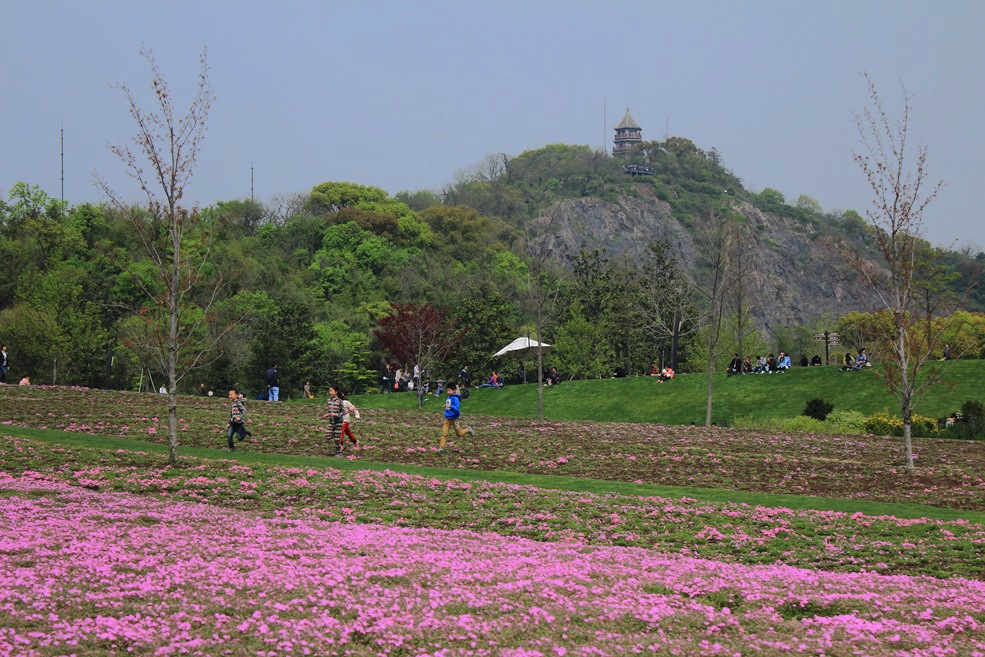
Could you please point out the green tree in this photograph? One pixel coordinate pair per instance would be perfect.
(492, 322)
(581, 348)
(287, 338)
(419, 200)
(809, 203)
(330, 197)
(771, 200)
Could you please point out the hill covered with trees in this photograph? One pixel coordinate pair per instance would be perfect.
(558, 242)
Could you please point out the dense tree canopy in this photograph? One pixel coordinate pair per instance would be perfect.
(317, 276)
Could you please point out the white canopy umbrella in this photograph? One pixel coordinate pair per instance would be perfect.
(523, 348)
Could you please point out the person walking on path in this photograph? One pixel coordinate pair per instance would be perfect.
(452, 414)
(349, 411)
(273, 383)
(3, 364)
(237, 419)
(335, 412)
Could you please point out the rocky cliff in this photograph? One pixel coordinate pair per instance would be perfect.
(793, 272)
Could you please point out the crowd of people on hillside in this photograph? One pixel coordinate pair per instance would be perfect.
(401, 379)
(772, 364)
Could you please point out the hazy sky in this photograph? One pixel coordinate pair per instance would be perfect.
(402, 95)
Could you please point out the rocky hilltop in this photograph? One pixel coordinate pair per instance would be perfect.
(793, 272)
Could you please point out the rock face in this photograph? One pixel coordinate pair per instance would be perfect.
(792, 273)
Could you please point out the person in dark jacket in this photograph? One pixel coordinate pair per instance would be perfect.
(273, 384)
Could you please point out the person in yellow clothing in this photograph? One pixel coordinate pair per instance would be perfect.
(452, 414)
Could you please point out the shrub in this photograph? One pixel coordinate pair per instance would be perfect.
(845, 422)
(922, 426)
(970, 424)
(973, 413)
(801, 423)
(818, 409)
(884, 424)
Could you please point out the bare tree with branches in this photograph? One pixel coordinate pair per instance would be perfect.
(898, 175)
(541, 291)
(181, 286)
(720, 234)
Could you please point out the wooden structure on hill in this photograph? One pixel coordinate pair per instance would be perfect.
(628, 135)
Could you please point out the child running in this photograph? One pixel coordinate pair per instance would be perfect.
(452, 414)
(334, 416)
(348, 410)
(237, 419)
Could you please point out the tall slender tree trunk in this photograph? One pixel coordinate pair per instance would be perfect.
(173, 346)
(711, 374)
(906, 398)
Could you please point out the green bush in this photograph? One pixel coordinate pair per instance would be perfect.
(970, 424)
(801, 423)
(884, 424)
(818, 409)
(973, 413)
(845, 422)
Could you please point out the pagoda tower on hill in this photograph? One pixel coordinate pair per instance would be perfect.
(628, 134)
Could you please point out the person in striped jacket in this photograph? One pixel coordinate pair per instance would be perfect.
(237, 419)
(335, 411)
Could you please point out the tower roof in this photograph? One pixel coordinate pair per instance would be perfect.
(628, 122)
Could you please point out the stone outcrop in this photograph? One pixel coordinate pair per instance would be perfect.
(793, 272)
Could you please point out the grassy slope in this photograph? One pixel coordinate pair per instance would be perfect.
(682, 401)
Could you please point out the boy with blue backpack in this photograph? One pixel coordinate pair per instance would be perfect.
(452, 414)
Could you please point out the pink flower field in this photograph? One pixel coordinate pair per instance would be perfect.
(86, 572)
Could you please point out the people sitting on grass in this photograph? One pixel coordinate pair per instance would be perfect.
(494, 381)
(653, 370)
(747, 367)
(855, 364)
(735, 366)
(816, 360)
(760, 365)
(783, 362)
(666, 374)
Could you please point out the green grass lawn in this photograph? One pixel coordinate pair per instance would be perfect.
(682, 401)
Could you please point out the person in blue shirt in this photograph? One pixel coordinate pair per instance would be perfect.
(783, 362)
(452, 414)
